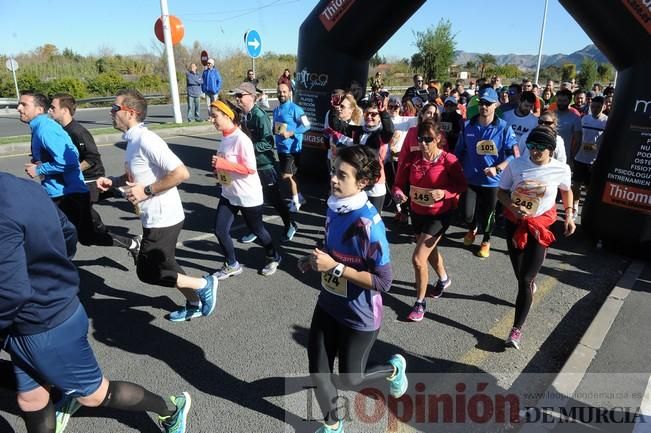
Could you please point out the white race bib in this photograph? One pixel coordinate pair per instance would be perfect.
(530, 204)
(335, 285)
(224, 178)
(421, 196)
(486, 147)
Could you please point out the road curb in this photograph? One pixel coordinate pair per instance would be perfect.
(572, 373)
(115, 137)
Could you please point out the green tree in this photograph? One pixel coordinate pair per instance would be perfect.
(485, 60)
(377, 60)
(605, 73)
(471, 66)
(72, 85)
(31, 81)
(106, 84)
(588, 73)
(504, 71)
(568, 72)
(435, 50)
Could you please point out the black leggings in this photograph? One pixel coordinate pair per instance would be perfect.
(526, 265)
(479, 208)
(252, 217)
(89, 225)
(328, 339)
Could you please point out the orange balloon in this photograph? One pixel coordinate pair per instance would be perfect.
(176, 28)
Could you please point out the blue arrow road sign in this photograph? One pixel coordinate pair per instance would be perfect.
(253, 43)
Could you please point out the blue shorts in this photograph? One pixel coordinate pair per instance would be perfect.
(60, 357)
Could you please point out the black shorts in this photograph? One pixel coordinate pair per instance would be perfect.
(157, 259)
(582, 173)
(289, 162)
(268, 176)
(434, 225)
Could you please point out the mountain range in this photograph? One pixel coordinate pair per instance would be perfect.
(529, 61)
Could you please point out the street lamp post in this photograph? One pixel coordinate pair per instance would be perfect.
(540, 45)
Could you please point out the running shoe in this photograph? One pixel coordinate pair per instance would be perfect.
(535, 287)
(135, 250)
(438, 288)
(514, 338)
(185, 313)
(66, 408)
(289, 234)
(469, 238)
(228, 271)
(247, 239)
(177, 423)
(208, 295)
(272, 266)
(417, 312)
(399, 382)
(325, 429)
(294, 207)
(484, 250)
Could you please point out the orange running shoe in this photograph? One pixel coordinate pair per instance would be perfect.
(484, 250)
(469, 238)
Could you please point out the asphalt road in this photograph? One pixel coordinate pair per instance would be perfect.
(92, 118)
(246, 366)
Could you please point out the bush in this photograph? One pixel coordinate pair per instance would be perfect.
(30, 81)
(71, 85)
(106, 84)
(150, 84)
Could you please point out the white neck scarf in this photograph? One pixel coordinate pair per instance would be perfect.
(347, 204)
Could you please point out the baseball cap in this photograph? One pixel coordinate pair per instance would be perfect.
(451, 100)
(246, 88)
(211, 61)
(488, 94)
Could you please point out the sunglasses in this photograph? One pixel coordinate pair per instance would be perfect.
(546, 122)
(239, 95)
(115, 108)
(538, 147)
(371, 114)
(485, 103)
(425, 139)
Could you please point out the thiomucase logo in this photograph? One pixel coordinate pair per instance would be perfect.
(641, 10)
(627, 196)
(333, 12)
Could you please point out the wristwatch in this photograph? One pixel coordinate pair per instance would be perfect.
(498, 170)
(148, 191)
(338, 271)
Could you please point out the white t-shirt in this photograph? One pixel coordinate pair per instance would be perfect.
(520, 124)
(148, 159)
(559, 152)
(401, 125)
(534, 186)
(592, 128)
(240, 189)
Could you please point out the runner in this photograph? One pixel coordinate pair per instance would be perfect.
(528, 189)
(435, 180)
(290, 123)
(152, 174)
(258, 125)
(376, 133)
(484, 149)
(548, 118)
(355, 268)
(235, 169)
(47, 324)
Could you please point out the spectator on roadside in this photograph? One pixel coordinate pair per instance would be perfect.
(194, 82)
(286, 78)
(250, 78)
(376, 82)
(212, 81)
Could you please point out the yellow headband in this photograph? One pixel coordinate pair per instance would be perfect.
(223, 108)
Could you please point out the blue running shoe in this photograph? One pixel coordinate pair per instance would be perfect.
(289, 234)
(247, 239)
(177, 423)
(228, 271)
(66, 408)
(325, 429)
(208, 295)
(185, 313)
(399, 382)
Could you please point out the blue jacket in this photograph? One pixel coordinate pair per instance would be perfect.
(212, 81)
(194, 81)
(290, 117)
(498, 133)
(38, 282)
(52, 146)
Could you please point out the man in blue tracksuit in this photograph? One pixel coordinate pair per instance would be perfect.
(212, 82)
(46, 323)
(290, 123)
(484, 149)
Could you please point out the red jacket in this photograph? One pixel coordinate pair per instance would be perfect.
(421, 176)
(538, 227)
(410, 144)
